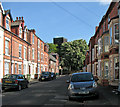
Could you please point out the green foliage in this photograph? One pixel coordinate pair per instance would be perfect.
(52, 48)
(73, 54)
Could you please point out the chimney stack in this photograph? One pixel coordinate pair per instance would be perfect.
(16, 18)
(19, 18)
(22, 17)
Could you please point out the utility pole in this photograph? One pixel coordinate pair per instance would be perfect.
(119, 45)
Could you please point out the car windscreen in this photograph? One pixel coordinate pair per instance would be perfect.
(45, 73)
(82, 77)
(10, 76)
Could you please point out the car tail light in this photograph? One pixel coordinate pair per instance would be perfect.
(16, 81)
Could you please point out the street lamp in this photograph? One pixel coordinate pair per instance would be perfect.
(119, 45)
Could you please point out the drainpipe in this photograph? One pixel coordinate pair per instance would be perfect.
(119, 46)
(11, 53)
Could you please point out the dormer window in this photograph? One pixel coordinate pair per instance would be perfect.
(25, 34)
(20, 32)
(7, 23)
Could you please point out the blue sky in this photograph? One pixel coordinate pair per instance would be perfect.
(72, 20)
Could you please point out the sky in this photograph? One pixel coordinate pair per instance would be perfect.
(72, 20)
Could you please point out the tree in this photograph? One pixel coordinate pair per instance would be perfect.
(73, 54)
(52, 48)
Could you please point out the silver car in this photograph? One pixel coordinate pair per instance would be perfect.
(82, 84)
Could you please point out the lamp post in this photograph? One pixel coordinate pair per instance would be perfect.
(119, 45)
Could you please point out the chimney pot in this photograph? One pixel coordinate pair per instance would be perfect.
(17, 18)
(22, 17)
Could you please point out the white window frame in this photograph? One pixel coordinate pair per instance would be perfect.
(20, 32)
(7, 47)
(25, 49)
(41, 46)
(110, 35)
(93, 54)
(38, 68)
(116, 34)
(24, 69)
(38, 43)
(106, 71)
(25, 37)
(7, 24)
(20, 69)
(6, 68)
(99, 46)
(106, 44)
(41, 57)
(20, 52)
(15, 68)
(38, 56)
(116, 67)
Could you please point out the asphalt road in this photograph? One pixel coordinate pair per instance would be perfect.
(51, 93)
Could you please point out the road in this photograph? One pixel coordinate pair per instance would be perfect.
(52, 93)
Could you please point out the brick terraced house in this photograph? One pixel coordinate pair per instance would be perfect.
(104, 48)
(21, 50)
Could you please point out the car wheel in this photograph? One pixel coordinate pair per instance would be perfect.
(97, 96)
(70, 98)
(19, 87)
(27, 85)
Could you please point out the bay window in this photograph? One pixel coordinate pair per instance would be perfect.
(116, 33)
(93, 54)
(116, 68)
(106, 69)
(106, 44)
(110, 35)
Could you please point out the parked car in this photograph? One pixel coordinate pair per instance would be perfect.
(82, 85)
(45, 76)
(14, 81)
(53, 75)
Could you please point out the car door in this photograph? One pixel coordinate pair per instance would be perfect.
(21, 80)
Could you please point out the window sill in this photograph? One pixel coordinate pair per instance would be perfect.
(7, 55)
(20, 58)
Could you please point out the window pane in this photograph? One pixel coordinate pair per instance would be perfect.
(111, 36)
(116, 26)
(116, 67)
